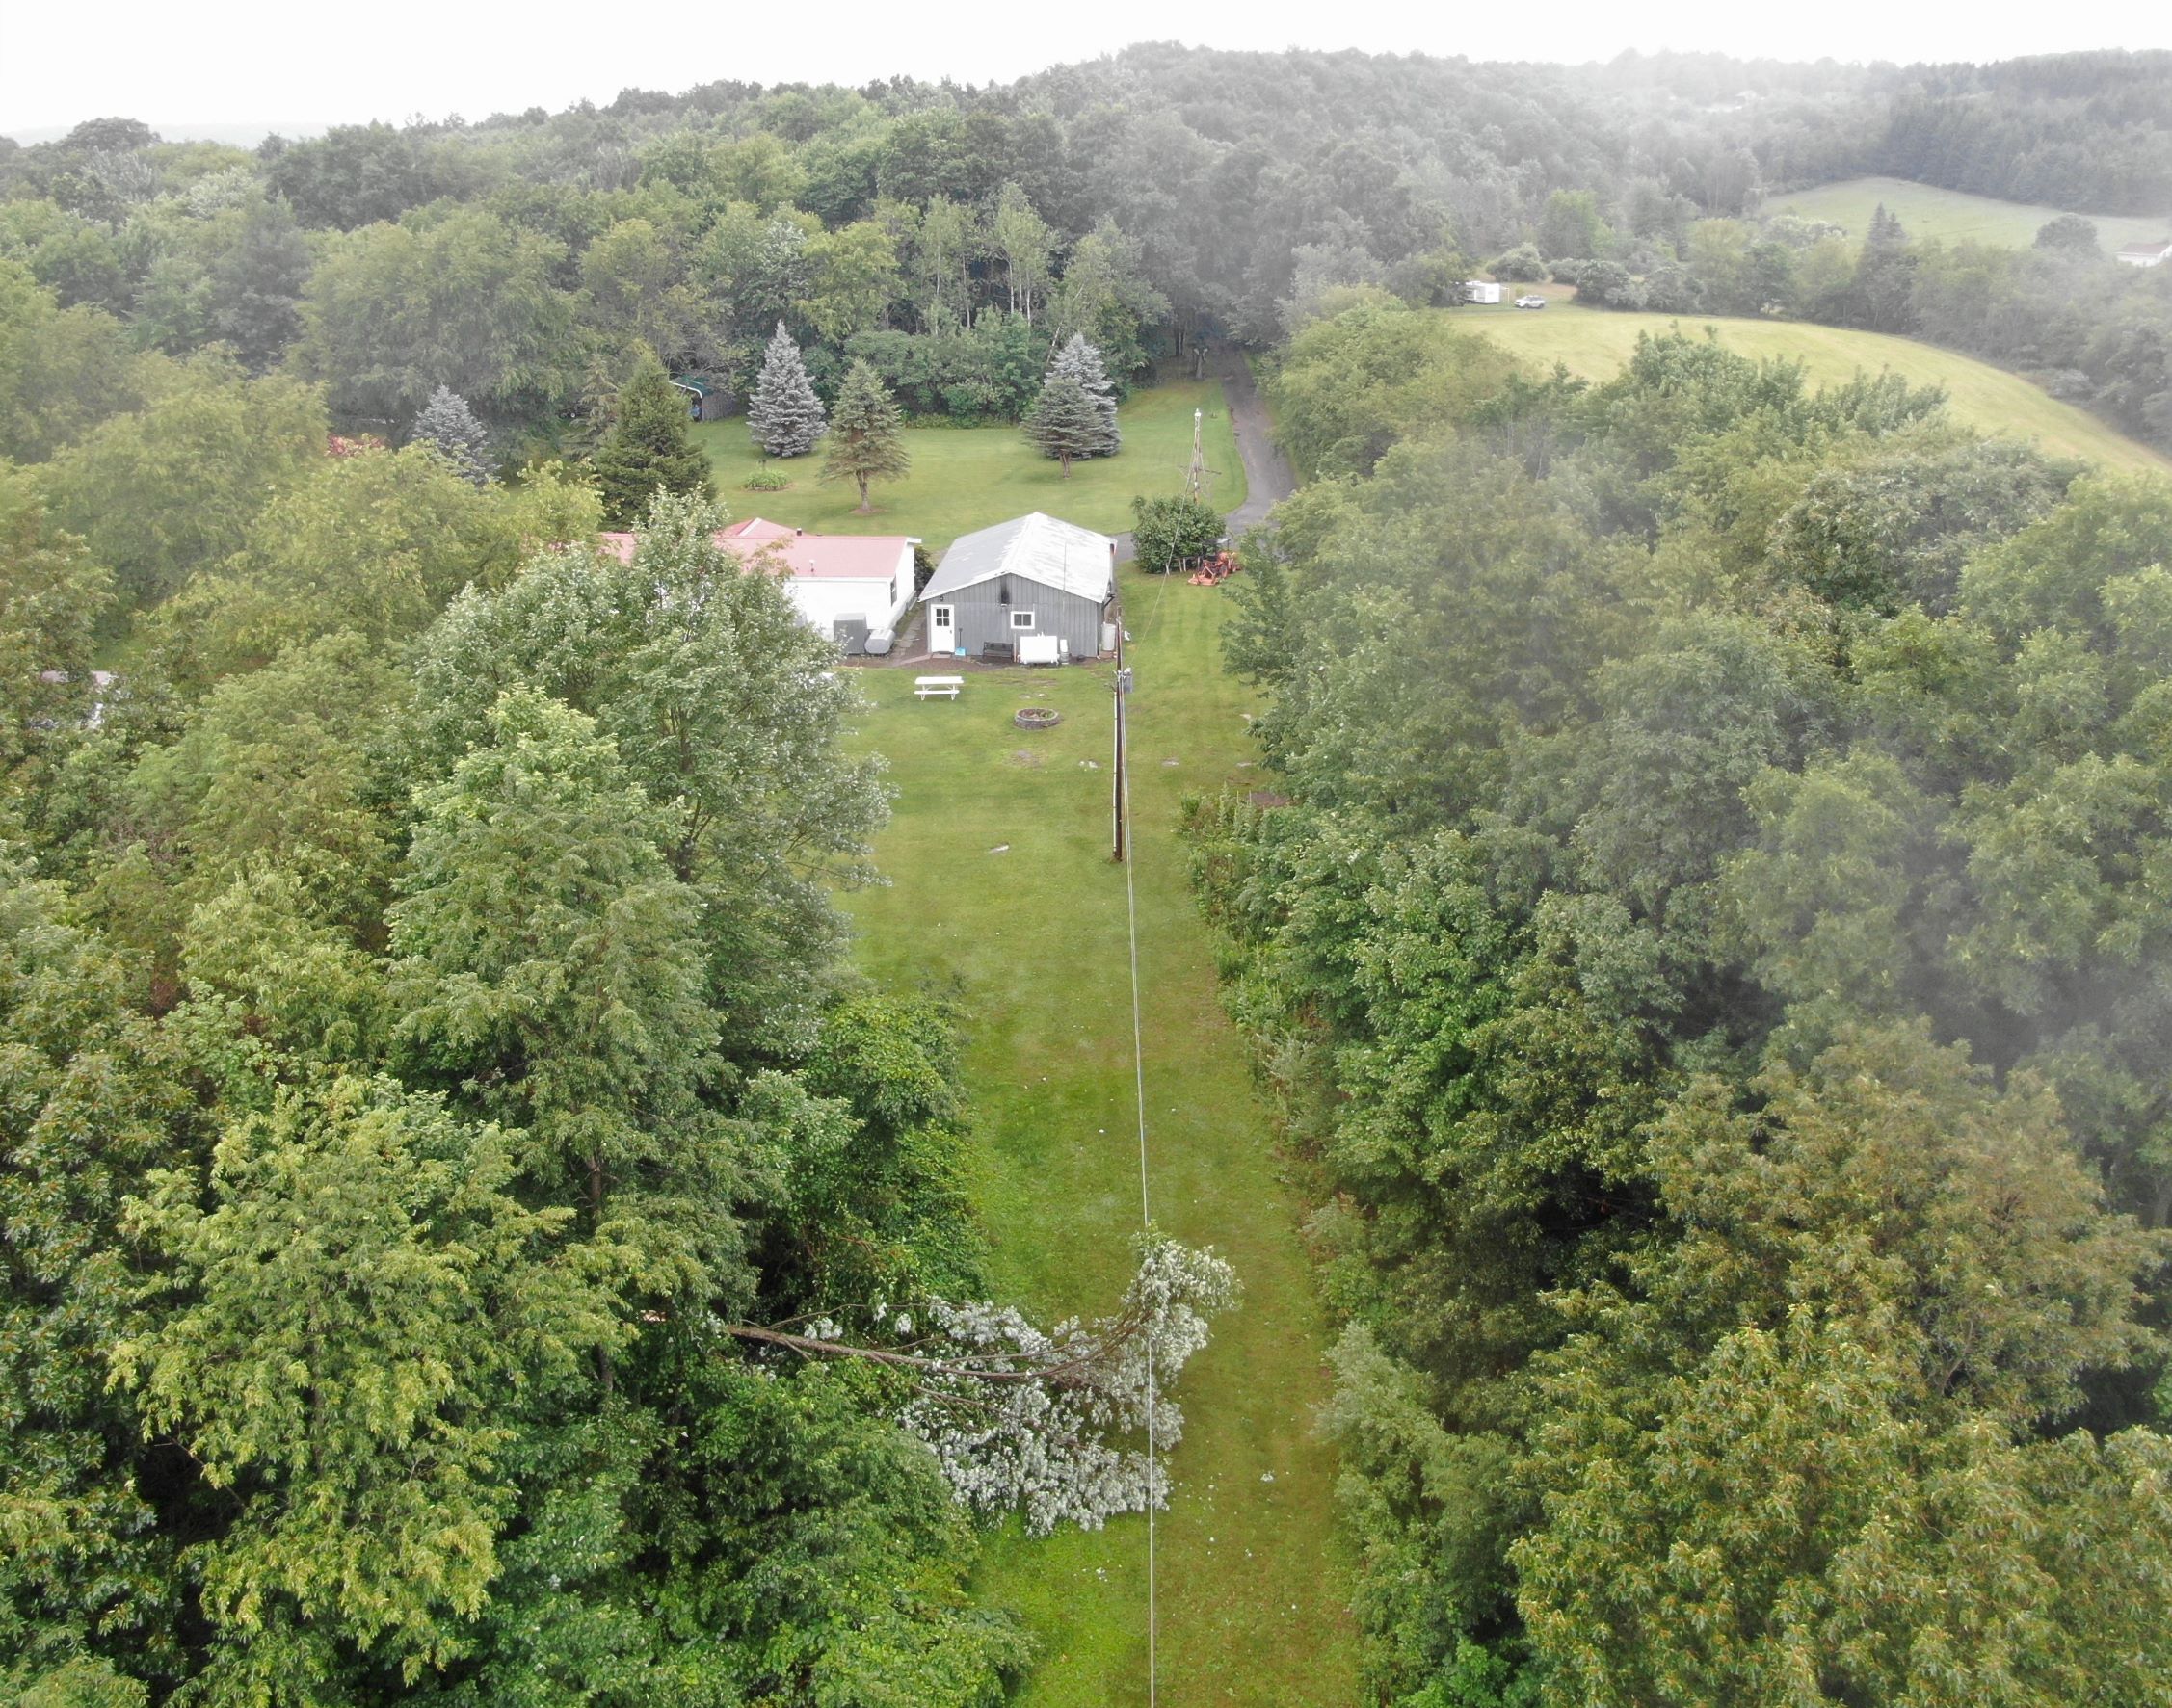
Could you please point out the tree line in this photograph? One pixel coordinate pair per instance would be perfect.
(952, 237)
(525, 303)
(1712, 959)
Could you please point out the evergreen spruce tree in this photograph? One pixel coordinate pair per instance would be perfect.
(1885, 276)
(1064, 421)
(864, 435)
(786, 415)
(647, 449)
(448, 423)
(1081, 361)
(597, 408)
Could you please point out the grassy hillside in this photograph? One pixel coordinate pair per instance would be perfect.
(1951, 215)
(1595, 342)
(1032, 940)
(967, 478)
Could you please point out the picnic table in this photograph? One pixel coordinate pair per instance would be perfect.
(928, 687)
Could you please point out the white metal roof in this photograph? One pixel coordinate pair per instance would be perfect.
(1037, 547)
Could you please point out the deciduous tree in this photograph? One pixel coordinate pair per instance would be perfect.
(357, 1432)
(715, 693)
(1167, 531)
(172, 489)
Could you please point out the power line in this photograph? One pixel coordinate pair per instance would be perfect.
(1146, 1213)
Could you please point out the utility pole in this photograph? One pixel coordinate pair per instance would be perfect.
(1117, 792)
(1121, 687)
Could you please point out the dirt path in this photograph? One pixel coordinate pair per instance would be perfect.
(1268, 478)
(1267, 475)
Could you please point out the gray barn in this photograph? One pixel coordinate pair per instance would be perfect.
(1032, 578)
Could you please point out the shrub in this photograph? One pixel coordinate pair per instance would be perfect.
(1169, 530)
(1522, 265)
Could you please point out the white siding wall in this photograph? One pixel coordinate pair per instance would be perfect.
(823, 598)
(901, 588)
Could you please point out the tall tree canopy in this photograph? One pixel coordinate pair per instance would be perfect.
(1711, 950)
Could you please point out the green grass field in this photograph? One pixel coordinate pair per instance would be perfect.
(1595, 342)
(1032, 940)
(1951, 215)
(965, 478)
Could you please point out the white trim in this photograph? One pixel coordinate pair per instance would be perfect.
(1022, 621)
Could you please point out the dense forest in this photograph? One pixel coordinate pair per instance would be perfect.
(951, 236)
(467, 1230)
(460, 1212)
(1714, 956)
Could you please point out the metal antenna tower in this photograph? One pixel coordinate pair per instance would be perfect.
(1195, 477)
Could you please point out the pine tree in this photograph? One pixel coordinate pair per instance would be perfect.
(1064, 422)
(448, 423)
(1081, 361)
(864, 435)
(597, 408)
(786, 415)
(647, 449)
(1885, 276)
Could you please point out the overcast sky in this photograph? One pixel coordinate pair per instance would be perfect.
(249, 62)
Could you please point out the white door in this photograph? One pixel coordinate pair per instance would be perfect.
(942, 629)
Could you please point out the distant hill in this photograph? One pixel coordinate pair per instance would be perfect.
(1595, 342)
(1953, 216)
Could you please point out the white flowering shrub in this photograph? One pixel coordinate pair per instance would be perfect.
(1054, 1424)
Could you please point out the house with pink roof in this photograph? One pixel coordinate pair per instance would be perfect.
(854, 588)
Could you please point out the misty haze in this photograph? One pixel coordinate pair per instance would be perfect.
(1235, 874)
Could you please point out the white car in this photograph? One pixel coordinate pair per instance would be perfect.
(1530, 301)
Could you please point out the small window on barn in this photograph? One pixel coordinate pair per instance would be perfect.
(1022, 620)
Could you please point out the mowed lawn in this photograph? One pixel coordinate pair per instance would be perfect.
(1002, 893)
(1952, 216)
(965, 478)
(1595, 343)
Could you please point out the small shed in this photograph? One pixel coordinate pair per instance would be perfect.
(1480, 290)
(705, 398)
(1035, 576)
